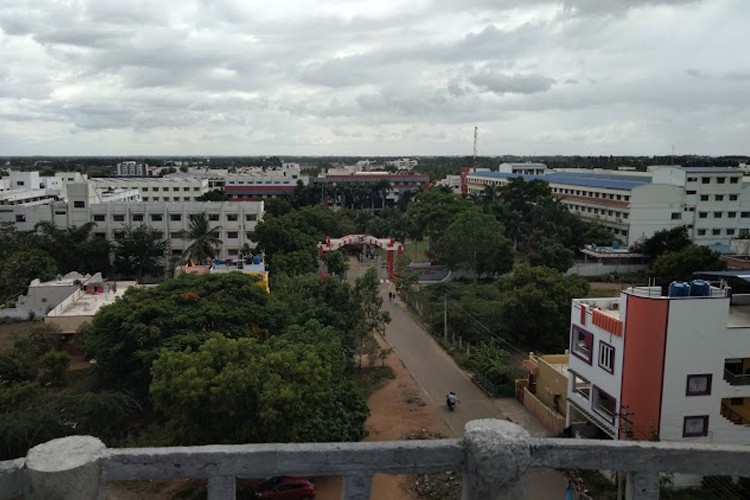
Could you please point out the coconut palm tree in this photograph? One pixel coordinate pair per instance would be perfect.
(205, 243)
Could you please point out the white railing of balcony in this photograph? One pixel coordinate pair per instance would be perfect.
(494, 457)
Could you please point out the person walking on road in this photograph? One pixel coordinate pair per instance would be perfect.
(570, 491)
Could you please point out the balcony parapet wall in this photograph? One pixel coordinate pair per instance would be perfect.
(494, 457)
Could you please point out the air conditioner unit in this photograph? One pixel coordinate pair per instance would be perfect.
(615, 306)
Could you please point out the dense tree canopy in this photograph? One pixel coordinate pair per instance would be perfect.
(138, 251)
(666, 240)
(475, 240)
(680, 265)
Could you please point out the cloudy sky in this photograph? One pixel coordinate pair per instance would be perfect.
(374, 77)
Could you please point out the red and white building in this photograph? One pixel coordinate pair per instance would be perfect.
(645, 365)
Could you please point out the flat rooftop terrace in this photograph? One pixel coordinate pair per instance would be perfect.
(87, 304)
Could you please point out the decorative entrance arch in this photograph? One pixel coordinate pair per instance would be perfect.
(392, 248)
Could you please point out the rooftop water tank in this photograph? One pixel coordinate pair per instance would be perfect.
(616, 244)
(700, 288)
(256, 259)
(679, 289)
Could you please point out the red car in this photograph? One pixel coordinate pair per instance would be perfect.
(286, 488)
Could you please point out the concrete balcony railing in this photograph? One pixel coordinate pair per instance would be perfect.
(494, 457)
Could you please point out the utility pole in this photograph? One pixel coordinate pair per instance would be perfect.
(445, 318)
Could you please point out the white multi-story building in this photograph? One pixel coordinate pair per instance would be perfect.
(171, 219)
(133, 168)
(676, 367)
(163, 189)
(403, 164)
(714, 203)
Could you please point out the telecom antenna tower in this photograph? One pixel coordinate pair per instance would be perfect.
(475, 148)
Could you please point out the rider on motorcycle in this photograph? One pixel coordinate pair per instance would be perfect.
(451, 399)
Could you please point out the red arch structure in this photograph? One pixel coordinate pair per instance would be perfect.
(392, 248)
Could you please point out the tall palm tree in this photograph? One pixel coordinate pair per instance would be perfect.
(205, 243)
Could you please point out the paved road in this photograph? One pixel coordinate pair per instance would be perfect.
(437, 373)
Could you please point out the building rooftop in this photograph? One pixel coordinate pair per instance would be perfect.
(71, 279)
(87, 304)
(607, 181)
(712, 170)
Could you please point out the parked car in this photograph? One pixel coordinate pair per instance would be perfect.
(286, 488)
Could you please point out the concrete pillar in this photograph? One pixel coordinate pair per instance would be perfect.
(357, 487)
(642, 486)
(222, 488)
(64, 469)
(497, 458)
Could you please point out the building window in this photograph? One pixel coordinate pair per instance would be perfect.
(100, 235)
(581, 386)
(607, 356)
(232, 234)
(717, 215)
(704, 197)
(721, 180)
(232, 217)
(233, 251)
(698, 385)
(732, 197)
(730, 232)
(716, 232)
(702, 215)
(689, 192)
(676, 215)
(695, 426)
(137, 217)
(164, 189)
(20, 218)
(213, 217)
(175, 217)
(156, 217)
(731, 215)
(701, 232)
(705, 180)
(196, 189)
(98, 218)
(176, 252)
(79, 204)
(692, 179)
(175, 189)
(583, 342)
(734, 180)
(251, 217)
(144, 189)
(603, 404)
(186, 189)
(745, 215)
(155, 198)
(719, 197)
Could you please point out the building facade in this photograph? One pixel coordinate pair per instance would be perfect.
(646, 366)
(158, 189)
(713, 203)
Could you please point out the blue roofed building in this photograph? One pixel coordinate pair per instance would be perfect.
(713, 202)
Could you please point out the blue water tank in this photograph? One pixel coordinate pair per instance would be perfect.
(616, 244)
(700, 288)
(679, 289)
(256, 259)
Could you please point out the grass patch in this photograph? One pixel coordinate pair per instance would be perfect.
(417, 250)
(372, 378)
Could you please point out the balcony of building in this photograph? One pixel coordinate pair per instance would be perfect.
(737, 371)
(494, 457)
(736, 410)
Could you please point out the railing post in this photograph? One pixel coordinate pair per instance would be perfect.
(65, 469)
(642, 486)
(497, 458)
(357, 487)
(222, 488)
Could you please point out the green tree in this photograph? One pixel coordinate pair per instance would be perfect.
(21, 267)
(664, 241)
(551, 254)
(205, 244)
(213, 195)
(371, 317)
(139, 251)
(22, 362)
(535, 307)
(335, 263)
(74, 248)
(126, 336)
(432, 212)
(262, 395)
(680, 265)
(475, 240)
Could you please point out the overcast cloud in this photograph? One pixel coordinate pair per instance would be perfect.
(364, 77)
